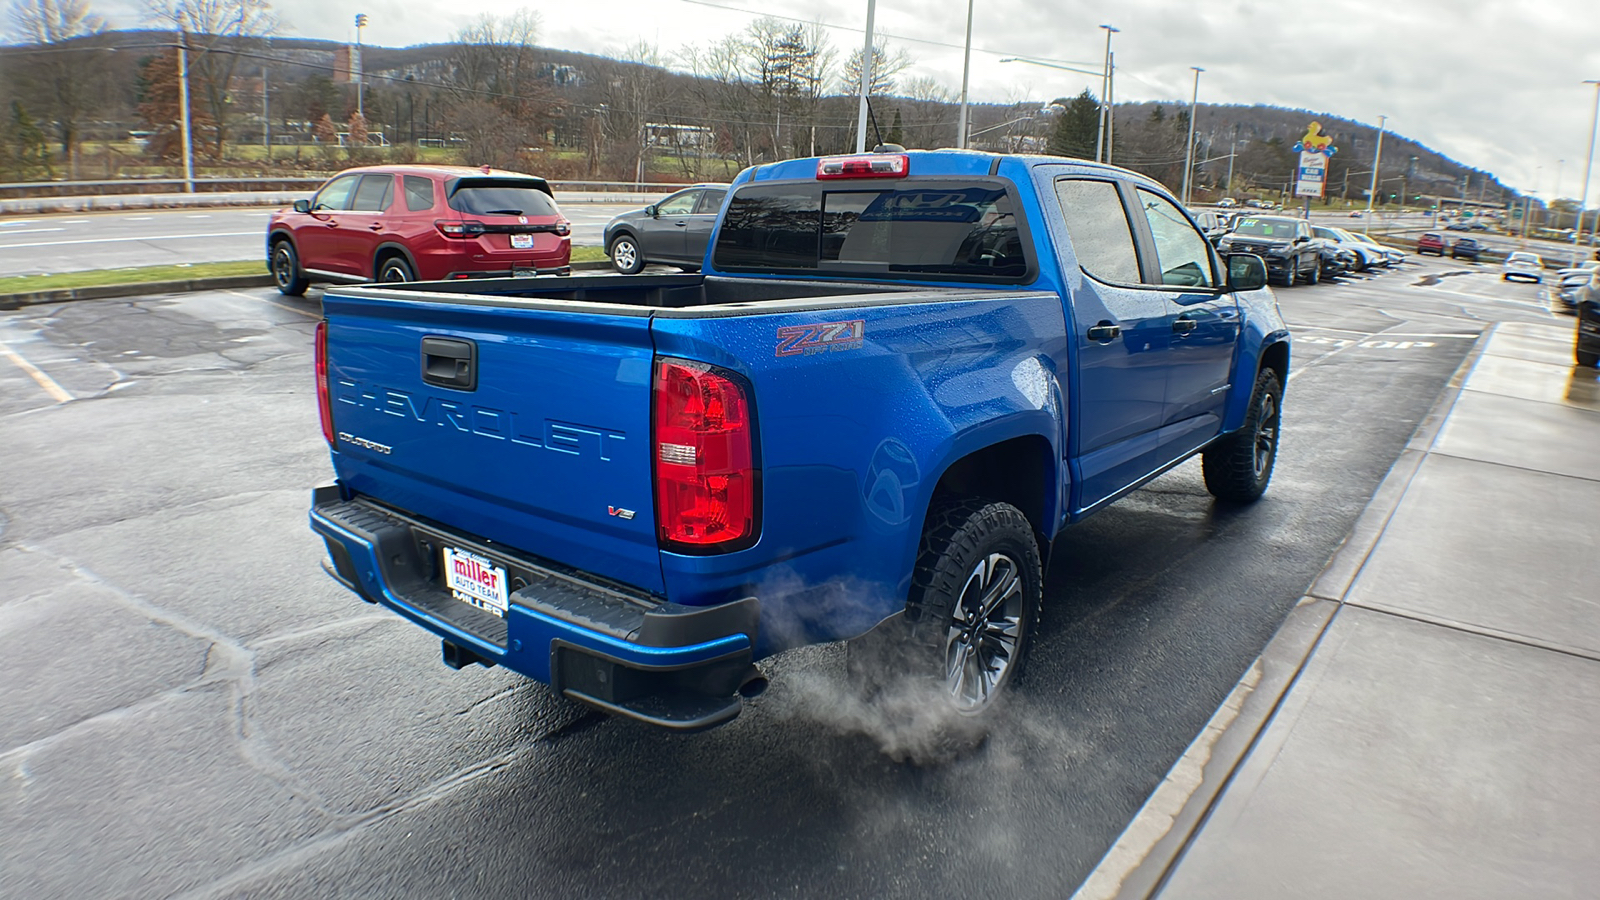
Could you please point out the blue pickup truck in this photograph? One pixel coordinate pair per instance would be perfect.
(897, 377)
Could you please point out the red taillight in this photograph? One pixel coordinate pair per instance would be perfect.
(459, 229)
(563, 228)
(704, 456)
(324, 398)
(865, 165)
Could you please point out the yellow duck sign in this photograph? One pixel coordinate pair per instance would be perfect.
(1316, 142)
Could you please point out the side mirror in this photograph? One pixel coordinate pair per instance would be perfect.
(302, 206)
(1246, 272)
(653, 210)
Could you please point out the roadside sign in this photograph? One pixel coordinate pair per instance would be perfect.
(1315, 150)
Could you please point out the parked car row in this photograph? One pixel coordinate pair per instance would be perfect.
(1295, 250)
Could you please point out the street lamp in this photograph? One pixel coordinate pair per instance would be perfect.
(361, 22)
(866, 81)
(1583, 199)
(1105, 88)
(1188, 156)
(1035, 62)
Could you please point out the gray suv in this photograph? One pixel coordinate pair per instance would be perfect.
(674, 231)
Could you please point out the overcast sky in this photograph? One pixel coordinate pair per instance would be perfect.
(1494, 85)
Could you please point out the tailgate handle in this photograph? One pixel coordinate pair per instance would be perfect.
(450, 363)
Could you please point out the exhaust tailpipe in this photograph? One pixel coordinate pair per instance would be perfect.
(753, 685)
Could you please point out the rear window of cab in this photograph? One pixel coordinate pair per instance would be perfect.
(961, 230)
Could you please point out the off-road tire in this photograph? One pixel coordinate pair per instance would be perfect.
(1238, 467)
(963, 542)
(286, 273)
(625, 254)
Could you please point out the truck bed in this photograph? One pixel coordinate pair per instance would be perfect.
(672, 296)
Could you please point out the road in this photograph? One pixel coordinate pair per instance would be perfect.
(190, 707)
(41, 245)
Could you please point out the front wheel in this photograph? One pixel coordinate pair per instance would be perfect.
(625, 255)
(286, 270)
(1238, 467)
(1316, 272)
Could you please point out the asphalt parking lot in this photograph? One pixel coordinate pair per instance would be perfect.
(192, 708)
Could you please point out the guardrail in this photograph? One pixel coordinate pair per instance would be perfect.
(211, 184)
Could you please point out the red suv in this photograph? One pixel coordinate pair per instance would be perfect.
(1430, 243)
(419, 223)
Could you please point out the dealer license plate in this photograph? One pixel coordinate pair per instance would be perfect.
(521, 241)
(475, 580)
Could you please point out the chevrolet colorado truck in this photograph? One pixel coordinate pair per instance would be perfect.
(896, 378)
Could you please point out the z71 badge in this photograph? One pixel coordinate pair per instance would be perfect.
(794, 340)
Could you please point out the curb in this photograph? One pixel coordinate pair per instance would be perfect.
(109, 291)
(1151, 846)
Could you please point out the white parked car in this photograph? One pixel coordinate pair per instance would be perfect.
(1523, 264)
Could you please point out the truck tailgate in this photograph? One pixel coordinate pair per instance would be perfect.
(530, 428)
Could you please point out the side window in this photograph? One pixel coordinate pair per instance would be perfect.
(681, 205)
(335, 194)
(374, 193)
(419, 193)
(1098, 225)
(1182, 254)
(710, 203)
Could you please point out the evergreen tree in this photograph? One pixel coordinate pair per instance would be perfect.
(1077, 127)
(896, 133)
(24, 154)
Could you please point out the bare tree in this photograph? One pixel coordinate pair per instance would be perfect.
(632, 93)
(213, 30)
(885, 66)
(61, 83)
(500, 103)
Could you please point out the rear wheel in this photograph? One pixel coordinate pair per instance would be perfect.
(1316, 271)
(1238, 467)
(940, 674)
(395, 269)
(625, 256)
(286, 270)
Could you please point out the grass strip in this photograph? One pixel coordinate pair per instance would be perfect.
(21, 284)
(18, 284)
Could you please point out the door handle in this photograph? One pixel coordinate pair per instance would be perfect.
(681, 224)
(1183, 326)
(1105, 331)
(331, 223)
(375, 226)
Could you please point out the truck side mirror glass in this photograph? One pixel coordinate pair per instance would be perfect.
(1246, 272)
(302, 206)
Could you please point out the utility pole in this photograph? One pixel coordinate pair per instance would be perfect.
(183, 103)
(1188, 153)
(966, 74)
(1372, 190)
(866, 81)
(1583, 198)
(1105, 89)
(266, 117)
(1111, 109)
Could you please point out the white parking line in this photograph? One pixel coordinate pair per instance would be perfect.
(122, 240)
(201, 216)
(56, 391)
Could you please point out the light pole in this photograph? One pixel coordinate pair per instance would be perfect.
(183, 118)
(361, 22)
(1035, 62)
(1583, 198)
(1105, 88)
(866, 81)
(966, 73)
(1188, 155)
(1372, 189)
